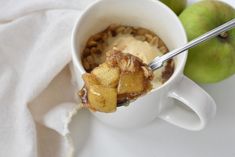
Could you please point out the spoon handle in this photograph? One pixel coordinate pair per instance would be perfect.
(158, 61)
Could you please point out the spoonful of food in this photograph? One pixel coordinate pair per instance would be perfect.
(122, 78)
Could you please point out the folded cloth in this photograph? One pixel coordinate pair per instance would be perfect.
(37, 98)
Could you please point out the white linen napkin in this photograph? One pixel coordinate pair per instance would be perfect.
(37, 98)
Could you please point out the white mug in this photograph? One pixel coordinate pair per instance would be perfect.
(178, 101)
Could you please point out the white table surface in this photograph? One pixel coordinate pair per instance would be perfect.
(160, 139)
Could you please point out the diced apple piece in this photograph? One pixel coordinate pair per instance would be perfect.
(131, 82)
(103, 99)
(90, 79)
(107, 75)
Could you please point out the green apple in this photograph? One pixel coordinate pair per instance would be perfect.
(213, 60)
(176, 5)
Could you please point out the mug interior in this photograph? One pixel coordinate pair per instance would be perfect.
(149, 14)
(152, 15)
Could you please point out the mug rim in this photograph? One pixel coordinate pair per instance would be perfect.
(78, 65)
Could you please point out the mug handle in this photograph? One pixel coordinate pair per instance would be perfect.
(188, 106)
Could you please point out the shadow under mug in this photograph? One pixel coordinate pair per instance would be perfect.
(178, 101)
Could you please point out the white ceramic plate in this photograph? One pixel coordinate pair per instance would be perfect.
(160, 139)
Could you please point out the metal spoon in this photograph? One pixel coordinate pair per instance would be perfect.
(158, 61)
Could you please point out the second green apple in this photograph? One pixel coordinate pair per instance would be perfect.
(213, 60)
(176, 5)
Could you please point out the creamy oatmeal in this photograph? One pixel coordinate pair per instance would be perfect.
(137, 41)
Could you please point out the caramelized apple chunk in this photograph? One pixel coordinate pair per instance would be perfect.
(90, 79)
(132, 82)
(107, 75)
(101, 98)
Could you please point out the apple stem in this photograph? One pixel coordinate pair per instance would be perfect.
(223, 35)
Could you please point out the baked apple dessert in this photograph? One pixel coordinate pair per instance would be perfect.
(121, 78)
